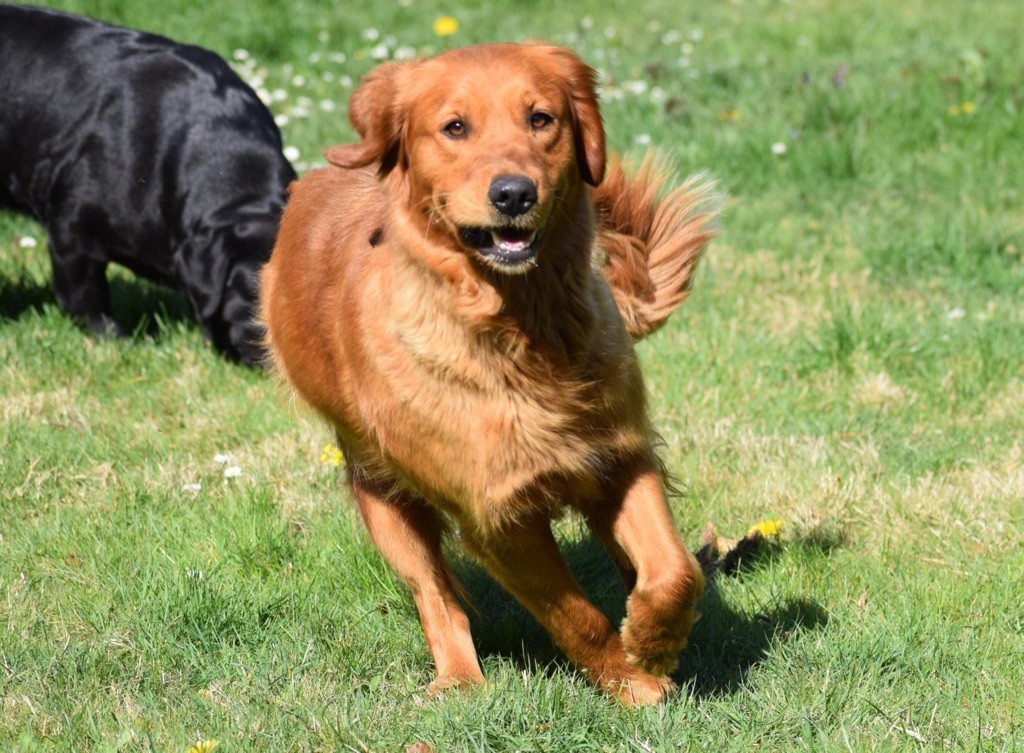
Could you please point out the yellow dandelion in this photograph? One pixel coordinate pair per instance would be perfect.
(967, 108)
(954, 110)
(202, 747)
(331, 455)
(767, 528)
(731, 115)
(445, 26)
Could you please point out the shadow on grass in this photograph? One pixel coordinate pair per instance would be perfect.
(146, 309)
(724, 646)
(20, 295)
(143, 308)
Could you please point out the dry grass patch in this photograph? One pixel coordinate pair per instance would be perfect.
(981, 505)
(878, 391)
(1006, 405)
(65, 406)
(792, 294)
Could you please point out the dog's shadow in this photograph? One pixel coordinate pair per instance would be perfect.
(144, 309)
(21, 295)
(724, 646)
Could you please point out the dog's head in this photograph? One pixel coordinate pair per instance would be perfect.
(488, 143)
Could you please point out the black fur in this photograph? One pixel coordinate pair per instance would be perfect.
(134, 149)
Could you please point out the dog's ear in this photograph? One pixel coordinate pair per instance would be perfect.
(588, 130)
(374, 113)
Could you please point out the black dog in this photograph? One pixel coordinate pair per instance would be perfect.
(134, 149)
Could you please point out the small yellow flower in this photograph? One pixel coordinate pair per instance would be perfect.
(731, 115)
(767, 528)
(445, 26)
(202, 747)
(967, 108)
(332, 455)
(954, 111)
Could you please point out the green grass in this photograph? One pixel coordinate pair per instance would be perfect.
(851, 362)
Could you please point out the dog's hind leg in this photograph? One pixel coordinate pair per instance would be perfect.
(408, 534)
(636, 523)
(525, 559)
(80, 282)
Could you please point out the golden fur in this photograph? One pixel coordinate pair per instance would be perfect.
(494, 392)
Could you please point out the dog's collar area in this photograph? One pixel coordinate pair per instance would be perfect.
(506, 246)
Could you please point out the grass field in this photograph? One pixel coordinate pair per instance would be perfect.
(851, 362)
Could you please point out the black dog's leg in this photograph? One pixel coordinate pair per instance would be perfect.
(80, 282)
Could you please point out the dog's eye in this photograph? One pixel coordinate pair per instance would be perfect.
(540, 120)
(456, 129)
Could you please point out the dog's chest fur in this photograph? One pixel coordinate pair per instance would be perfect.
(489, 423)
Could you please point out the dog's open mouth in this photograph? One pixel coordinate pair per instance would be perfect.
(507, 247)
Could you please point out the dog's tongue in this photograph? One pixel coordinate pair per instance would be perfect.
(512, 239)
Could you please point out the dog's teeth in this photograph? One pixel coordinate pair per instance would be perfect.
(511, 246)
(505, 245)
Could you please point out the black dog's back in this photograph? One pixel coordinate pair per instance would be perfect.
(134, 149)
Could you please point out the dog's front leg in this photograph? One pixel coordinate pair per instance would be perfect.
(636, 525)
(524, 558)
(408, 533)
(80, 279)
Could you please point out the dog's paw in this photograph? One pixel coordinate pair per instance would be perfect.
(658, 622)
(655, 645)
(103, 325)
(440, 685)
(658, 654)
(642, 689)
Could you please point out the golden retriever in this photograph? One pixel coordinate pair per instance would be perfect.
(460, 303)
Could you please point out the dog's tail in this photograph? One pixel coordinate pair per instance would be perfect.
(651, 243)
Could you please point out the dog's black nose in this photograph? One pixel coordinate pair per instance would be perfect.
(512, 195)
